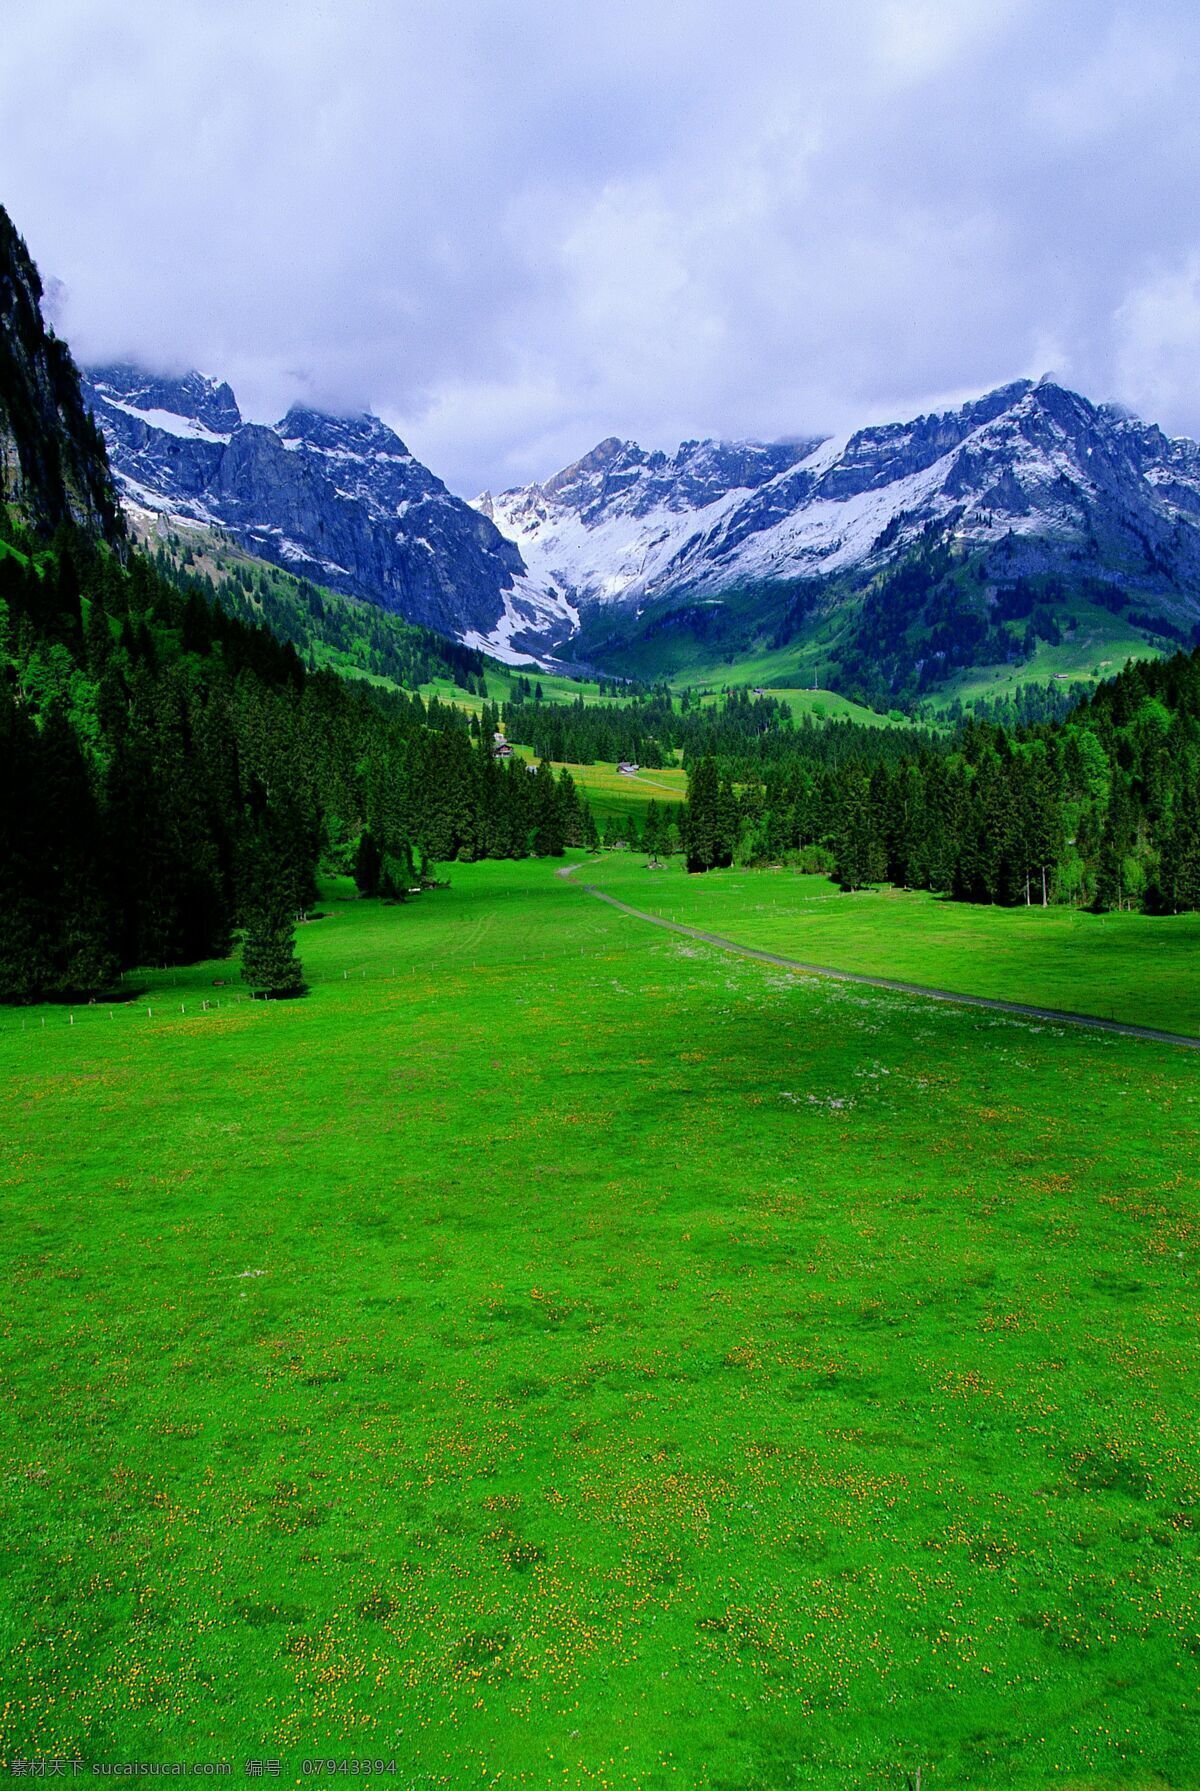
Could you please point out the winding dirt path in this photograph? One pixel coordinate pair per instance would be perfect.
(956, 998)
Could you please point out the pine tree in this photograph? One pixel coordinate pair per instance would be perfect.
(570, 809)
(1179, 872)
(859, 850)
(549, 829)
(25, 949)
(1114, 846)
(98, 641)
(77, 915)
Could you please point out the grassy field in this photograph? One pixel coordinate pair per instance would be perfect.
(693, 662)
(555, 1353)
(1136, 967)
(501, 681)
(610, 792)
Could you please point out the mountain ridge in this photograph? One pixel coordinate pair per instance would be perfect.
(1015, 461)
(621, 557)
(340, 500)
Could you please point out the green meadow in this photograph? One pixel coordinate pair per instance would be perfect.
(610, 792)
(1095, 645)
(811, 703)
(501, 681)
(826, 705)
(1140, 968)
(557, 1353)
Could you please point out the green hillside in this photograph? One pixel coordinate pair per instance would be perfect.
(938, 625)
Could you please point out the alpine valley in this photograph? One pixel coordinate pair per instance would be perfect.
(1030, 529)
(574, 1232)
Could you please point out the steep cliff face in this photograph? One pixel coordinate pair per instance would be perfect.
(53, 466)
(340, 500)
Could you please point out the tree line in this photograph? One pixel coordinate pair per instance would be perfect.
(741, 729)
(174, 774)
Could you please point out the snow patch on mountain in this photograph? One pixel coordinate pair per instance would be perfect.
(533, 621)
(611, 524)
(187, 428)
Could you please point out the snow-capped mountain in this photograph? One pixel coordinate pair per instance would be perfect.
(1029, 483)
(1030, 461)
(339, 500)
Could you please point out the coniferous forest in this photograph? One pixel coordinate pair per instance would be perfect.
(172, 773)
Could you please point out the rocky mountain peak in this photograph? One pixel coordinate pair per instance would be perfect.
(621, 474)
(356, 433)
(190, 397)
(593, 472)
(1030, 459)
(338, 499)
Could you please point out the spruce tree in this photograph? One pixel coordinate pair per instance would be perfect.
(78, 920)
(25, 923)
(860, 854)
(706, 819)
(1179, 872)
(549, 829)
(570, 809)
(368, 864)
(1114, 845)
(269, 961)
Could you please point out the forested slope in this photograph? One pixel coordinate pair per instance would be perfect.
(1101, 808)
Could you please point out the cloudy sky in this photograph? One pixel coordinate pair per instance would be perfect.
(513, 227)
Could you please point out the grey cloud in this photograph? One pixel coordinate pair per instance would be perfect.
(515, 228)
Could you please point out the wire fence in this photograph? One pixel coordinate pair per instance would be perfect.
(163, 1004)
